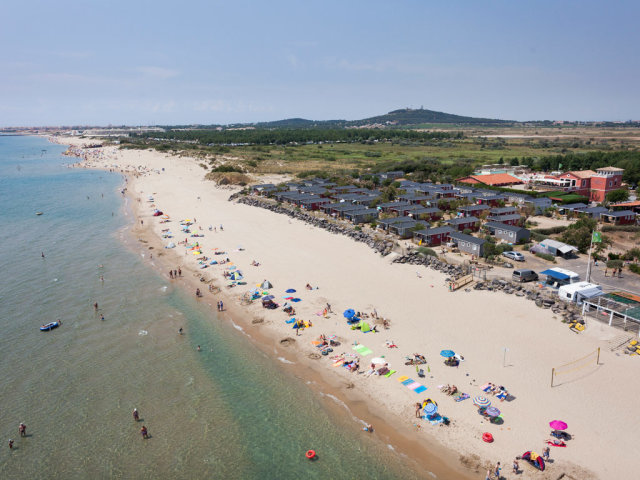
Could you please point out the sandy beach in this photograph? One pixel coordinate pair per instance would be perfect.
(504, 339)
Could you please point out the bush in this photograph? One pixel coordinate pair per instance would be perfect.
(546, 256)
(427, 251)
(613, 256)
(615, 264)
(621, 228)
(538, 237)
(227, 169)
(635, 268)
(550, 230)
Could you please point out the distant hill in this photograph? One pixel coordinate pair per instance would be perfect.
(408, 116)
(402, 117)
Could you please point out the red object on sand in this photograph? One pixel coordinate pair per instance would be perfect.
(310, 454)
(487, 437)
(557, 445)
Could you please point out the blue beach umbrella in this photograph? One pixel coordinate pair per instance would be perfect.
(291, 290)
(447, 353)
(296, 300)
(430, 408)
(492, 411)
(268, 297)
(350, 313)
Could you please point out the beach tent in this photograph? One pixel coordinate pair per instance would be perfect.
(364, 326)
(171, 245)
(235, 276)
(266, 284)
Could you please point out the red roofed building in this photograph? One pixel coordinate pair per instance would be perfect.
(593, 185)
(493, 179)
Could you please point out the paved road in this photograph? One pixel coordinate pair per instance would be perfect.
(629, 281)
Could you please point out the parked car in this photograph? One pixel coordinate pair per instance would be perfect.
(517, 256)
(524, 275)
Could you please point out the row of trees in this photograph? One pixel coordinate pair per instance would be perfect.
(284, 136)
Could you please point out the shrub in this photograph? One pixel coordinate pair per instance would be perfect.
(357, 228)
(635, 268)
(427, 251)
(550, 230)
(621, 228)
(615, 264)
(613, 256)
(538, 237)
(546, 256)
(227, 169)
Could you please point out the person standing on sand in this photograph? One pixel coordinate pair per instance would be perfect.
(418, 408)
(95, 306)
(22, 430)
(516, 467)
(10, 444)
(497, 470)
(179, 272)
(101, 317)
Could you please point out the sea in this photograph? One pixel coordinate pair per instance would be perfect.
(226, 411)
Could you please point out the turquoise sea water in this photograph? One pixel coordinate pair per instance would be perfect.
(225, 412)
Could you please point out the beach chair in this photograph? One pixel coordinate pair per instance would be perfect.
(421, 373)
(576, 327)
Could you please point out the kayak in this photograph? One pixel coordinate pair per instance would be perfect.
(49, 326)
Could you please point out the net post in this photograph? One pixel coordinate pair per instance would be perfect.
(598, 359)
(553, 371)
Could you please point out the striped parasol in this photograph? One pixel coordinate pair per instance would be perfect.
(481, 401)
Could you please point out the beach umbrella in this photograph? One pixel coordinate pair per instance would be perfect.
(558, 425)
(296, 300)
(291, 290)
(171, 245)
(481, 401)
(430, 408)
(447, 353)
(378, 360)
(350, 313)
(268, 297)
(492, 411)
(266, 284)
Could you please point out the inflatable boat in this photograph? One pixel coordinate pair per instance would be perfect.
(50, 326)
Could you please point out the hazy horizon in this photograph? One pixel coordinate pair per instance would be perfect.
(212, 62)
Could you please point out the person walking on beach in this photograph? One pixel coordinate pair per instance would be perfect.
(179, 272)
(516, 467)
(22, 429)
(497, 470)
(95, 306)
(136, 415)
(418, 408)
(606, 271)
(180, 331)
(545, 453)
(221, 306)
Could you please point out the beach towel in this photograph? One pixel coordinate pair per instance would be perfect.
(485, 388)
(316, 342)
(461, 397)
(413, 386)
(556, 445)
(502, 395)
(338, 363)
(435, 420)
(290, 321)
(408, 382)
(362, 350)
(403, 378)
(420, 389)
(390, 373)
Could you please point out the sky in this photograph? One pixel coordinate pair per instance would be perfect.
(157, 62)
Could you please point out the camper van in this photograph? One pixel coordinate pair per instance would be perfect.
(577, 292)
(557, 277)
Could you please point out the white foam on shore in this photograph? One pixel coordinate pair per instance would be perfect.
(237, 327)
(284, 360)
(143, 332)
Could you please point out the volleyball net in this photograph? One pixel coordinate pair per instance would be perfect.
(566, 369)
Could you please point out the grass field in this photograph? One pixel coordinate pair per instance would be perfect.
(479, 146)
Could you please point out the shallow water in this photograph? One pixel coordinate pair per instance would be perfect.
(227, 411)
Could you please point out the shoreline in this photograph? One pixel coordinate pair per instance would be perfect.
(382, 398)
(350, 404)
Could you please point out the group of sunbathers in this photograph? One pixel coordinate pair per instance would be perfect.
(497, 390)
(450, 389)
(415, 359)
